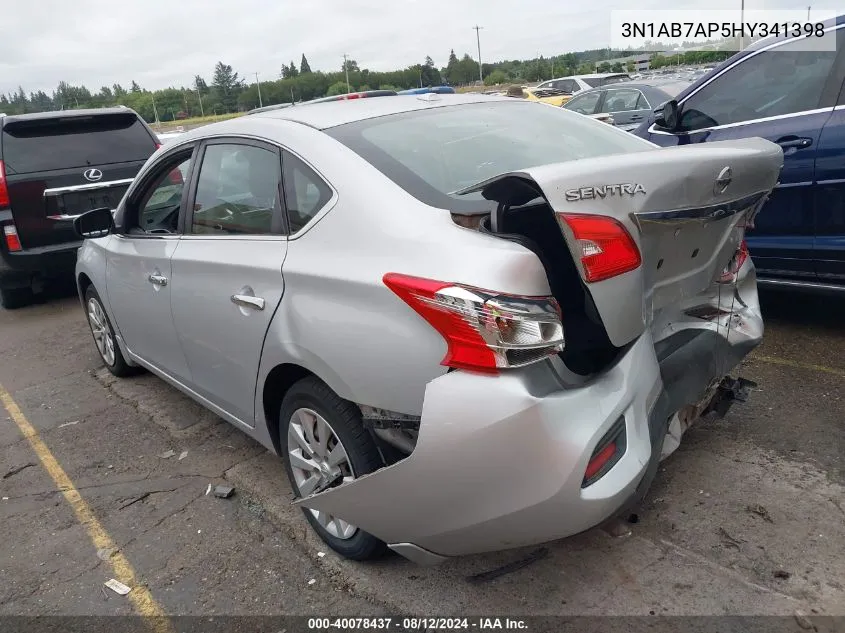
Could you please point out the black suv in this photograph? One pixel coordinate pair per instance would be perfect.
(53, 167)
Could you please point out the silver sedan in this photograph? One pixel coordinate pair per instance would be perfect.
(465, 323)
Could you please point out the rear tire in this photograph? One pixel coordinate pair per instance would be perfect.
(104, 339)
(313, 399)
(14, 298)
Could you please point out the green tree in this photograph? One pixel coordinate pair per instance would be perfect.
(118, 90)
(604, 67)
(616, 67)
(495, 78)
(452, 69)
(226, 86)
(337, 88)
(303, 65)
(200, 86)
(135, 87)
(351, 65)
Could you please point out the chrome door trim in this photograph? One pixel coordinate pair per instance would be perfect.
(57, 191)
(708, 213)
(653, 130)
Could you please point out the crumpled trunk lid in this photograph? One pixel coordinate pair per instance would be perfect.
(686, 207)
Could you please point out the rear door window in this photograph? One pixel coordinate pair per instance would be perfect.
(37, 145)
(305, 192)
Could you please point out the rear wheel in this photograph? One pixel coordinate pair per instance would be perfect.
(14, 298)
(325, 444)
(104, 338)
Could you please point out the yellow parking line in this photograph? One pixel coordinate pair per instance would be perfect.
(140, 596)
(798, 365)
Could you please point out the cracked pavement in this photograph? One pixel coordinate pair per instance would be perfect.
(745, 518)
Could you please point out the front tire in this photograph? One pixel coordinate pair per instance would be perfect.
(324, 443)
(104, 339)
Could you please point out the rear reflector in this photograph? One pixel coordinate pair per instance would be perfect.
(608, 452)
(13, 242)
(597, 462)
(484, 331)
(4, 190)
(606, 248)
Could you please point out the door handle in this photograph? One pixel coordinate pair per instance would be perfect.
(248, 301)
(794, 141)
(158, 280)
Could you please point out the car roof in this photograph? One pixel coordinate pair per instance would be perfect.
(64, 114)
(333, 113)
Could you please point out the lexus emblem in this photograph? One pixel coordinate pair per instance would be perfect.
(92, 174)
(723, 180)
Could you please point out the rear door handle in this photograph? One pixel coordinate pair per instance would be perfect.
(787, 142)
(248, 301)
(158, 280)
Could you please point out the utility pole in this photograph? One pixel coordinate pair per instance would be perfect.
(742, 25)
(346, 69)
(258, 83)
(199, 98)
(808, 12)
(478, 41)
(155, 111)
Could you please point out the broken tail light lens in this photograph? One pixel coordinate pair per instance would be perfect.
(13, 242)
(606, 248)
(732, 269)
(484, 331)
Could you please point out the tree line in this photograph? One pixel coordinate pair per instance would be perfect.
(228, 92)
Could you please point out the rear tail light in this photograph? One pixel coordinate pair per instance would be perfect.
(4, 190)
(484, 331)
(732, 269)
(13, 242)
(606, 248)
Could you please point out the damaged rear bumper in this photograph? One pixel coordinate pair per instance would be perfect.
(500, 461)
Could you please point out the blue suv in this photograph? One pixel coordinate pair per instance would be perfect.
(779, 90)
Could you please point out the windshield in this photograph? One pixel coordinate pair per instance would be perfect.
(432, 153)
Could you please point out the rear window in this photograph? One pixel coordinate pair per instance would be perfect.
(432, 153)
(596, 82)
(62, 143)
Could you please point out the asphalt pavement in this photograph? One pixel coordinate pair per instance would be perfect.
(110, 479)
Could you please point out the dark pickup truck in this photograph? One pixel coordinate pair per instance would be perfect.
(53, 167)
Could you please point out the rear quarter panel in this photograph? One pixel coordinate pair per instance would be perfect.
(338, 319)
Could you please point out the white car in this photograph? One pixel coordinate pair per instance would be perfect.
(578, 83)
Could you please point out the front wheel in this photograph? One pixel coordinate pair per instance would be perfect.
(325, 444)
(104, 338)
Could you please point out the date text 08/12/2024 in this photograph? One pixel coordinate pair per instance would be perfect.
(415, 624)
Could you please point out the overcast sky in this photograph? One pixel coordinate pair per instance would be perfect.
(160, 43)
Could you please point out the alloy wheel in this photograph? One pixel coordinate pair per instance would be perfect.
(318, 461)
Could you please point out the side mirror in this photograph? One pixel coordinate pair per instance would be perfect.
(669, 116)
(95, 223)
